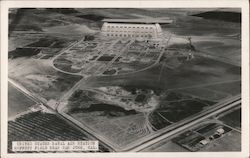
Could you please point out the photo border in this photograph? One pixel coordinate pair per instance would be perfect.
(243, 4)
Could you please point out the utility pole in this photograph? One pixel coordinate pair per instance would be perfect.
(163, 64)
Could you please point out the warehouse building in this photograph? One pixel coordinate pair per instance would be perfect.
(134, 28)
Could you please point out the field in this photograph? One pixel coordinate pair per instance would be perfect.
(23, 52)
(226, 49)
(232, 119)
(42, 46)
(178, 110)
(17, 101)
(207, 94)
(224, 16)
(232, 88)
(21, 40)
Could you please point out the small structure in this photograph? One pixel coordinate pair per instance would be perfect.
(220, 131)
(204, 142)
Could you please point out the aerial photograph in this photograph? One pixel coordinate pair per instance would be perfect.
(133, 79)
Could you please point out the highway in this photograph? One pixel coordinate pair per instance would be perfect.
(183, 125)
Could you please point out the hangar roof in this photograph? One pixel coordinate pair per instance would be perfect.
(141, 21)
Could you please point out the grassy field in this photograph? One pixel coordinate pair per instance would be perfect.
(17, 101)
(40, 78)
(23, 52)
(224, 48)
(231, 88)
(21, 40)
(206, 94)
(172, 112)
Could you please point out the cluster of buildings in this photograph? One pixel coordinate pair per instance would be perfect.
(218, 133)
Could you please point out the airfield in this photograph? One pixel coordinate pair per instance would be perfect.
(124, 91)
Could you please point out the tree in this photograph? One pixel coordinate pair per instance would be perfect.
(89, 38)
(190, 44)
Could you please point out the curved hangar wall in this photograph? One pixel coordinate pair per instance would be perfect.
(131, 28)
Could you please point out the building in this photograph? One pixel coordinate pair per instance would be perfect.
(134, 28)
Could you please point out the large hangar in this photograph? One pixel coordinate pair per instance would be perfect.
(134, 28)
